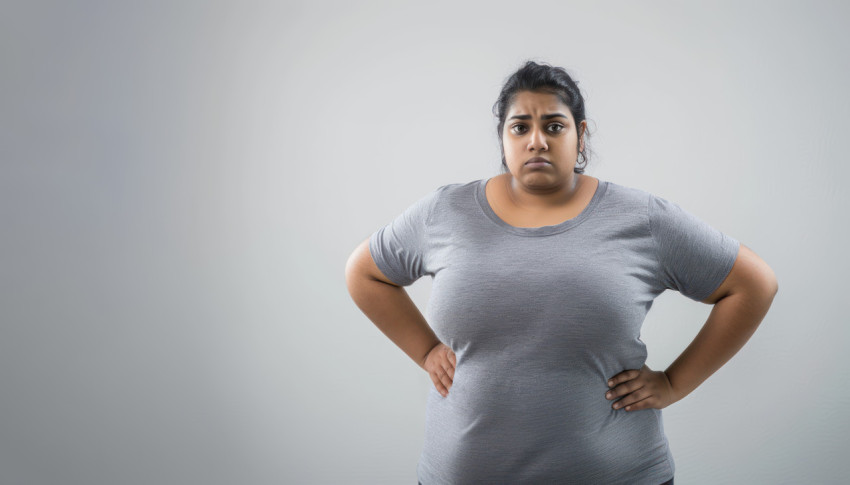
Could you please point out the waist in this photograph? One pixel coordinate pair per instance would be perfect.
(481, 432)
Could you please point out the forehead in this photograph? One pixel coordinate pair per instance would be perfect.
(534, 103)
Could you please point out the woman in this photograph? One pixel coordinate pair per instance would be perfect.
(542, 277)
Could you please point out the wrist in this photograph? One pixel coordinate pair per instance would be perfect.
(428, 350)
(677, 393)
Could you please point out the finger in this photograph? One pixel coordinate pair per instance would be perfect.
(446, 380)
(451, 371)
(439, 385)
(647, 403)
(617, 379)
(447, 366)
(453, 357)
(632, 398)
(623, 389)
(624, 376)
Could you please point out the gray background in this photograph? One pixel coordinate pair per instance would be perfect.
(183, 182)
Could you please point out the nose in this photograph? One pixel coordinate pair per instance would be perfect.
(537, 141)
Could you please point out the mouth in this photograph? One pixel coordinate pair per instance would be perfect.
(538, 162)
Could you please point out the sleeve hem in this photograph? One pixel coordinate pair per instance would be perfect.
(388, 272)
(727, 268)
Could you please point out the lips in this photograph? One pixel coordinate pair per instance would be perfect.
(538, 160)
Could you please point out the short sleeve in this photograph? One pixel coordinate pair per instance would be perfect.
(694, 257)
(400, 247)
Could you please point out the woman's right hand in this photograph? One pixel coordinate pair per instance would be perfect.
(440, 365)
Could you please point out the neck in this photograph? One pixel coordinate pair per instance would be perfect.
(544, 197)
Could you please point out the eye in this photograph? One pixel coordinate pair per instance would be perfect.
(553, 127)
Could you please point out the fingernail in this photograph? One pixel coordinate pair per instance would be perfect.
(608, 395)
(610, 383)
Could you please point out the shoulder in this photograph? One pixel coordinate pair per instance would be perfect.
(653, 205)
(458, 195)
(458, 188)
(443, 192)
(440, 200)
(627, 193)
(625, 199)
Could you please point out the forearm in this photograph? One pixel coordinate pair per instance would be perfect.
(394, 313)
(731, 323)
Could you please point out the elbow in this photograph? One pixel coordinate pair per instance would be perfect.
(759, 287)
(763, 281)
(353, 268)
(764, 290)
(353, 271)
(766, 287)
(770, 282)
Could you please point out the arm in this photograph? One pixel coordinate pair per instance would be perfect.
(390, 308)
(740, 304)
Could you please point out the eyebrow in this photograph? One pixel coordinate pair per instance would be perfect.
(545, 117)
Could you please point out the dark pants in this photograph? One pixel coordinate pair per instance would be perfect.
(668, 482)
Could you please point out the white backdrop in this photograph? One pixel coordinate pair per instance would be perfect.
(182, 184)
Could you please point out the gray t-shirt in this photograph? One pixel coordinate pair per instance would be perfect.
(539, 319)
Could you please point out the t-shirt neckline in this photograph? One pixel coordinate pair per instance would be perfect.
(481, 196)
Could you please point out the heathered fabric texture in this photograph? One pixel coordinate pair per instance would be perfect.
(539, 319)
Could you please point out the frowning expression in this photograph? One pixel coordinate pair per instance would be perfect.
(540, 126)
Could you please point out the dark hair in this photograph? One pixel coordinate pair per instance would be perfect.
(548, 79)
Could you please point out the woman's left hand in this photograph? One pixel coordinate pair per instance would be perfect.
(641, 389)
